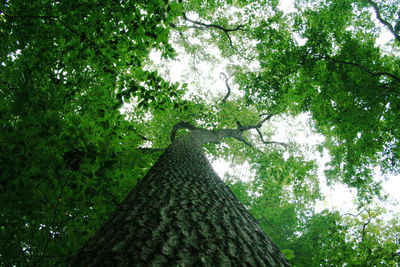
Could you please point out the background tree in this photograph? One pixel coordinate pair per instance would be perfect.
(69, 155)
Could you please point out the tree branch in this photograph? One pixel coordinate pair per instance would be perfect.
(364, 226)
(141, 136)
(257, 126)
(364, 68)
(92, 43)
(28, 17)
(383, 21)
(225, 30)
(181, 125)
(150, 149)
(204, 25)
(227, 86)
(270, 142)
(215, 136)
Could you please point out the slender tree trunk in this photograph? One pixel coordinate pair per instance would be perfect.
(180, 214)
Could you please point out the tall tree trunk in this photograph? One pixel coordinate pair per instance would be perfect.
(180, 214)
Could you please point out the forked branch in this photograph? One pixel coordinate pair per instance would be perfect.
(202, 26)
(257, 126)
(182, 125)
(205, 25)
(215, 136)
(270, 142)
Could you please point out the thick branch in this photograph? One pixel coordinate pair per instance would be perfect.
(215, 136)
(181, 125)
(257, 126)
(383, 21)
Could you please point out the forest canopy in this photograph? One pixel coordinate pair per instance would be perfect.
(86, 110)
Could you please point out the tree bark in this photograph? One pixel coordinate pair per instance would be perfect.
(181, 214)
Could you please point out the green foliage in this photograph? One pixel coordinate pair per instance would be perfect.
(67, 155)
(348, 83)
(71, 148)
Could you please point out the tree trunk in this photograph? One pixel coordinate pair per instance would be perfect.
(180, 214)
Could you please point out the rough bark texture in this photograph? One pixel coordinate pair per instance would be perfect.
(180, 214)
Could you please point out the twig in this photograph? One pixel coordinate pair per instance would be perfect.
(141, 136)
(28, 17)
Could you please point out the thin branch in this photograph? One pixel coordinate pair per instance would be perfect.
(227, 86)
(263, 219)
(52, 224)
(363, 228)
(354, 215)
(141, 136)
(225, 30)
(150, 149)
(270, 142)
(92, 43)
(383, 21)
(204, 25)
(364, 68)
(42, 16)
(240, 27)
(144, 138)
(28, 17)
(364, 224)
(257, 126)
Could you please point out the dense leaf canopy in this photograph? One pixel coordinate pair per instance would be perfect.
(85, 111)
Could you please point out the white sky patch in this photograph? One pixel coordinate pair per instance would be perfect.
(287, 6)
(242, 171)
